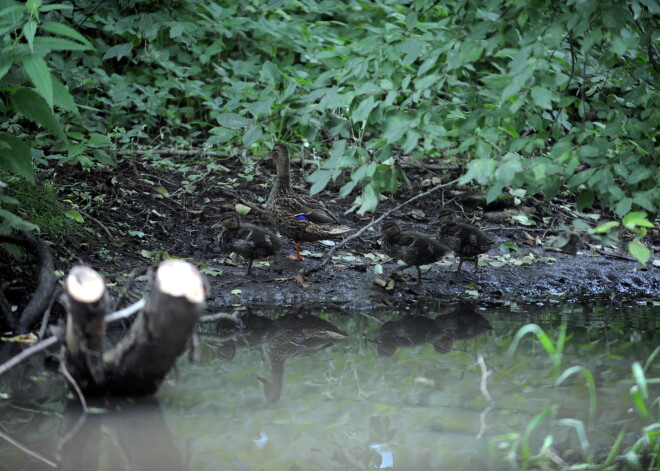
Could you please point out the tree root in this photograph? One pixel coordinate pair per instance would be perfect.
(47, 279)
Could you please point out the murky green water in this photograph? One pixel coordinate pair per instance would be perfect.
(400, 391)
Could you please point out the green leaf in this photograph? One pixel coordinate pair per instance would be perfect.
(270, 74)
(425, 82)
(493, 193)
(639, 251)
(242, 209)
(623, 206)
(52, 43)
(232, 120)
(62, 98)
(364, 109)
(369, 199)
(118, 51)
(16, 222)
(585, 200)
(29, 30)
(606, 227)
(54, 6)
(75, 215)
(636, 219)
(16, 157)
(320, 178)
(542, 97)
(5, 65)
(36, 68)
(33, 106)
(252, 135)
(64, 30)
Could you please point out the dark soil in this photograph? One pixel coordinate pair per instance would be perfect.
(160, 209)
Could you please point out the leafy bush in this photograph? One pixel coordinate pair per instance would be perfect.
(536, 97)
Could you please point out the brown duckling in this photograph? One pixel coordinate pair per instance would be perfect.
(297, 216)
(467, 241)
(247, 240)
(413, 248)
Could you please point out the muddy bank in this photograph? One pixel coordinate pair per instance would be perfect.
(140, 213)
(567, 277)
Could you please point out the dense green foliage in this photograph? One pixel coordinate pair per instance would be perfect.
(540, 96)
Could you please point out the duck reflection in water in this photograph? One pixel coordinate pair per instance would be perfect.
(294, 335)
(412, 330)
(244, 331)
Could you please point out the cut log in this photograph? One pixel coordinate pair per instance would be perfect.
(87, 303)
(141, 360)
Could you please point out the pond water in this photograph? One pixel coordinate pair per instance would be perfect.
(432, 387)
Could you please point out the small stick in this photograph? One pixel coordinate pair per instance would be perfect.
(73, 383)
(99, 223)
(124, 313)
(27, 353)
(167, 152)
(44, 320)
(357, 234)
(233, 195)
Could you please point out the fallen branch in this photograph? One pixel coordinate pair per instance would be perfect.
(124, 313)
(331, 252)
(170, 152)
(28, 352)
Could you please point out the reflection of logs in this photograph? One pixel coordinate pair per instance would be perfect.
(139, 363)
(130, 435)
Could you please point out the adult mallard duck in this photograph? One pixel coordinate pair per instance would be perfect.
(247, 240)
(466, 240)
(297, 216)
(413, 248)
(290, 336)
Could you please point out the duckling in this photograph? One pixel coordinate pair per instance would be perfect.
(297, 216)
(247, 240)
(413, 248)
(466, 240)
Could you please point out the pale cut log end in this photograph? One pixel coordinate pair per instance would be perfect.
(178, 278)
(84, 285)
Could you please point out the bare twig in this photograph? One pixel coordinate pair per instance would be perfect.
(74, 384)
(124, 313)
(357, 234)
(132, 276)
(168, 152)
(233, 195)
(44, 320)
(97, 222)
(25, 449)
(27, 353)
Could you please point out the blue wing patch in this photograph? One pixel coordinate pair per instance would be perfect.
(301, 217)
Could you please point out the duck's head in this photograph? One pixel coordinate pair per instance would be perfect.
(445, 216)
(390, 229)
(230, 221)
(280, 154)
